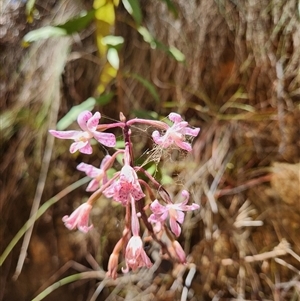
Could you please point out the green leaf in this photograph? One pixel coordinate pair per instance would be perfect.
(71, 26)
(29, 10)
(120, 144)
(177, 54)
(43, 33)
(133, 7)
(72, 115)
(171, 51)
(148, 38)
(152, 169)
(112, 41)
(105, 98)
(151, 88)
(78, 23)
(113, 58)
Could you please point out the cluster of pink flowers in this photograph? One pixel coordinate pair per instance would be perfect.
(126, 188)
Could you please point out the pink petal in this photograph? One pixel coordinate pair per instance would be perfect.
(107, 139)
(137, 193)
(65, 134)
(75, 146)
(87, 149)
(157, 208)
(93, 185)
(105, 160)
(165, 141)
(85, 229)
(192, 132)
(145, 259)
(180, 217)
(79, 218)
(153, 218)
(128, 174)
(135, 255)
(175, 117)
(122, 193)
(69, 222)
(186, 195)
(109, 191)
(179, 251)
(93, 122)
(179, 127)
(183, 145)
(191, 207)
(175, 228)
(156, 137)
(83, 118)
(83, 146)
(90, 170)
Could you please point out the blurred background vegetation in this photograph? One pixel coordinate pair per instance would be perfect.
(229, 67)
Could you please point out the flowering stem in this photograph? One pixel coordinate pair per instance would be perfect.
(128, 146)
(154, 123)
(150, 191)
(127, 218)
(104, 127)
(135, 226)
(109, 163)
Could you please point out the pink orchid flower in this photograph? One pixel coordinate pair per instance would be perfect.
(88, 123)
(98, 174)
(127, 185)
(79, 218)
(176, 133)
(135, 255)
(173, 211)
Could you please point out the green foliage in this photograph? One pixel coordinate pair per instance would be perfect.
(88, 104)
(177, 54)
(72, 115)
(113, 41)
(78, 23)
(29, 10)
(105, 98)
(71, 26)
(133, 7)
(43, 33)
(103, 13)
(155, 44)
(113, 58)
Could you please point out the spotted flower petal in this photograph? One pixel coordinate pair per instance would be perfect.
(176, 134)
(79, 218)
(173, 211)
(98, 175)
(135, 255)
(88, 123)
(83, 119)
(107, 139)
(127, 185)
